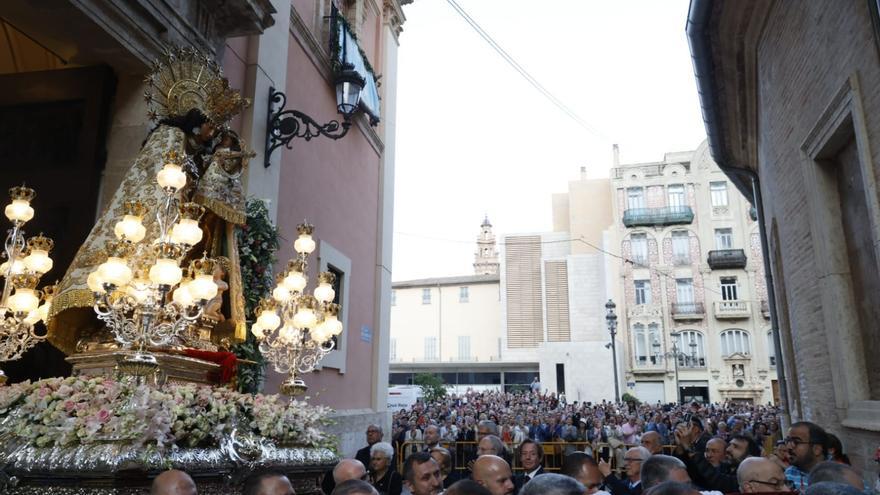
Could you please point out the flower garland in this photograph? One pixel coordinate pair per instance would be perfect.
(258, 241)
(81, 411)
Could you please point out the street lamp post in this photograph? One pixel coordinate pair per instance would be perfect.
(674, 355)
(611, 320)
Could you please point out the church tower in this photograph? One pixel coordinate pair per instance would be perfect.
(486, 257)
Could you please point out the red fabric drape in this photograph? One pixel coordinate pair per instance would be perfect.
(226, 360)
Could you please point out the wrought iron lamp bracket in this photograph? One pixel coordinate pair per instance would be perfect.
(284, 125)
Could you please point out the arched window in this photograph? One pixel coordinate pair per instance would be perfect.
(771, 348)
(734, 341)
(692, 352)
(640, 345)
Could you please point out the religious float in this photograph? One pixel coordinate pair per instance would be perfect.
(147, 314)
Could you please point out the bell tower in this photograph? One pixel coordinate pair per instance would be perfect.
(486, 257)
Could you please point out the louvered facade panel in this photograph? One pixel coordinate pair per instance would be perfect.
(556, 290)
(524, 313)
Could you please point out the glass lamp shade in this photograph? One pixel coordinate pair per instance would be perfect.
(288, 334)
(305, 318)
(349, 85)
(268, 320)
(304, 244)
(203, 287)
(171, 177)
(187, 232)
(258, 331)
(182, 295)
(139, 290)
(33, 317)
(324, 292)
(165, 272)
(23, 301)
(43, 311)
(295, 281)
(18, 267)
(38, 261)
(281, 294)
(332, 324)
(320, 334)
(130, 228)
(19, 211)
(95, 283)
(115, 271)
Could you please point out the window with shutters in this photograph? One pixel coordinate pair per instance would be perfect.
(734, 341)
(643, 291)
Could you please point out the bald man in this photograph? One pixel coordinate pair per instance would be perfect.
(349, 469)
(759, 474)
(652, 441)
(173, 482)
(494, 473)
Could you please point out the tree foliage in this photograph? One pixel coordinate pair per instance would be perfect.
(433, 388)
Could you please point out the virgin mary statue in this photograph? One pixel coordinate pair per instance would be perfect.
(192, 102)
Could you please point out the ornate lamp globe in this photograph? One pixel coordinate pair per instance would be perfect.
(349, 85)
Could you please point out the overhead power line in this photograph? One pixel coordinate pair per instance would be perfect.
(524, 73)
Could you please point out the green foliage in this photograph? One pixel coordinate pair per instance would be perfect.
(258, 241)
(629, 398)
(433, 388)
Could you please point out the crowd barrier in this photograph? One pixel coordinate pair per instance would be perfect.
(554, 452)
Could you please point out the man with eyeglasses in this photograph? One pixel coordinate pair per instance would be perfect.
(632, 465)
(807, 445)
(760, 475)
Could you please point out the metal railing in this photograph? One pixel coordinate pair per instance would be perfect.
(732, 309)
(464, 453)
(665, 215)
(688, 310)
(727, 258)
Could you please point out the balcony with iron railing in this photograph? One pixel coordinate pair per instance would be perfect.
(727, 258)
(691, 362)
(688, 311)
(732, 310)
(666, 215)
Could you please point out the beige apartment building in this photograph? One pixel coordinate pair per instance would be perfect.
(452, 326)
(694, 312)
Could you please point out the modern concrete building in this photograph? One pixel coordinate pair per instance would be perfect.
(72, 78)
(694, 313)
(792, 109)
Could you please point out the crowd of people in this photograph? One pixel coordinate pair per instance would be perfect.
(495, 443)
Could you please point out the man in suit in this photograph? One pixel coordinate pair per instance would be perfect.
(632, 464)
(531, 458)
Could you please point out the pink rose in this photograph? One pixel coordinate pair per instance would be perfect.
(69, 405)
(104, 415)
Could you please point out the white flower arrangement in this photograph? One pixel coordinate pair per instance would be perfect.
(81, 411)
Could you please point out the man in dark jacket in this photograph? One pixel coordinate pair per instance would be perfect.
(632, 465)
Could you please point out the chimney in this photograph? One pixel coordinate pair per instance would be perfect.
(616, 155)
(583, 173)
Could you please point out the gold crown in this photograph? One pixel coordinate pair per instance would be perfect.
(185, 79)
(305, 228)
(134, 208)
(120, 249)
(327, 277)
(203, 266)
(21, 192)
(168, 250)
(25, 281)
(173, 157)
(296, 266)
(191, 211)
(331, 309)
(223, 102)
(40, 242)
(266, 304)
(49, 292)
